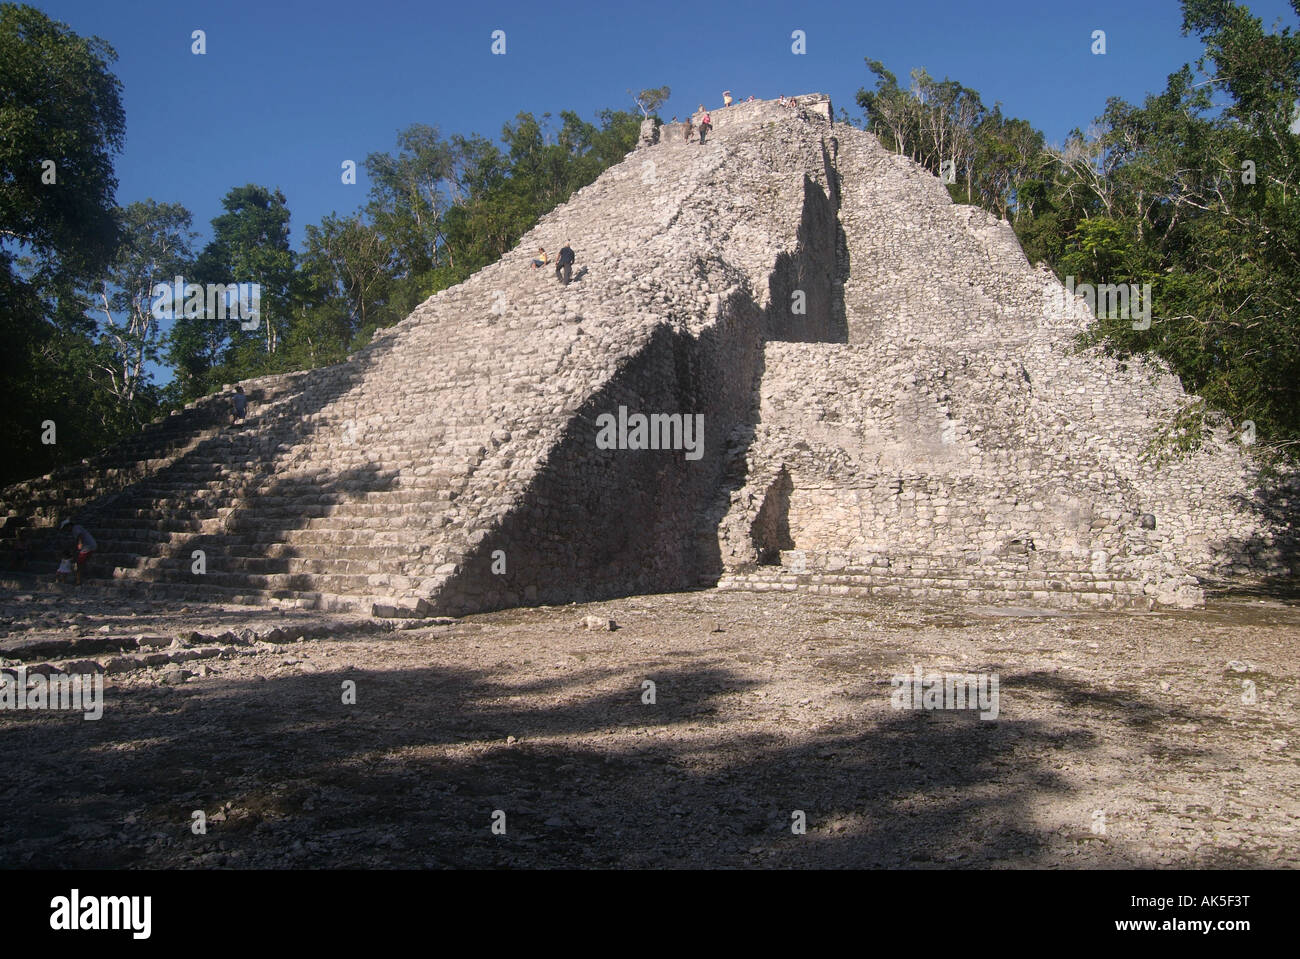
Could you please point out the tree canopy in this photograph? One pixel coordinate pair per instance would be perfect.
(61, 122)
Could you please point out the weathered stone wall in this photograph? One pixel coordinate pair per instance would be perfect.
(942, 453)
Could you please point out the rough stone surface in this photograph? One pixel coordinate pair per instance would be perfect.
(891, 400)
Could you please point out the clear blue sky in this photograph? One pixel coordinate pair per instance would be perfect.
(289, 89)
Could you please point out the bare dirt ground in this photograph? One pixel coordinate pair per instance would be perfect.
(1122, 740)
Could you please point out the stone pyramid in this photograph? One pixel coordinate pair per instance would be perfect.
(890, 406)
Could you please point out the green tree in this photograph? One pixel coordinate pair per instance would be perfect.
(250, 244)
(650, 100)
(155, 247)
(1204, 176)
(194, 346)
(61, 121)
(347, 268)
(59, 105)
(410, 192)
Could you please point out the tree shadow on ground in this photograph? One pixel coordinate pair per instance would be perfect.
(411, 775)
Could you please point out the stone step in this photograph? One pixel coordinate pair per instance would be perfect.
(270, 544)
(1021, 579)
(274, 583)
(245, 596)
(344, 559)
(994, 591)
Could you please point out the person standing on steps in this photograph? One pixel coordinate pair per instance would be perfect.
(240, 402)
(86, 546)
(564, 263)
(706, 124)
(726, 98)
(20, 553)
(688, 130)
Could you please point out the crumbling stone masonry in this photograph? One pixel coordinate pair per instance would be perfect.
(890, 408)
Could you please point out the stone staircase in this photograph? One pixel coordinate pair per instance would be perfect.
(380, 483)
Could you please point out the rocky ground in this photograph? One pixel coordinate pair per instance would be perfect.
(1122, 739)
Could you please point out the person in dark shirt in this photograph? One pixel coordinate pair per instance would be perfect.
(564, 264)
(86, 546)
(240, 402)
(20, 552)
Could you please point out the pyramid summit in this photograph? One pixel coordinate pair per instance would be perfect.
(886, 396)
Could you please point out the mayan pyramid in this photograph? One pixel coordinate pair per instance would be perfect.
(890, 407)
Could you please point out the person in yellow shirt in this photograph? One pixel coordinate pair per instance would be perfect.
(542, 260)
(726, 98)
